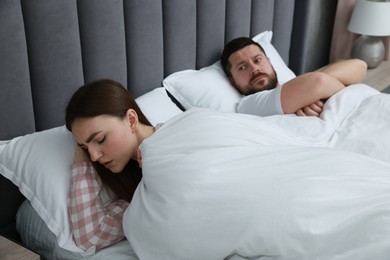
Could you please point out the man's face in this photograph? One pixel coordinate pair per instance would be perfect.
(251, 70)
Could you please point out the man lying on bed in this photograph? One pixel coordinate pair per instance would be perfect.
(252, 74)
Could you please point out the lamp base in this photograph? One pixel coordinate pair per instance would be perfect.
(370, 49)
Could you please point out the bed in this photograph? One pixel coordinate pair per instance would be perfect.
(50, 48)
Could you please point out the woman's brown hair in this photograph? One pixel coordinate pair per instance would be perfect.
(108, 97)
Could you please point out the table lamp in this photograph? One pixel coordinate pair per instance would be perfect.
(371, 19)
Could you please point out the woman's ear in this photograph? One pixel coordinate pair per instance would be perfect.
(132, 118)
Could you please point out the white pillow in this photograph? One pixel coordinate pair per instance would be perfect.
(283, 71)
(39, 164)
(157, 106)
(210, 88)
(3, 144)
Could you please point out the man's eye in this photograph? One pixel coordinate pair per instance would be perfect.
(242, 68)
(258, 60)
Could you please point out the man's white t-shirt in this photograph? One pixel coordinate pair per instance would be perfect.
(263, 103)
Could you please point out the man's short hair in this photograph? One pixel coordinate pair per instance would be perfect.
(233, 46)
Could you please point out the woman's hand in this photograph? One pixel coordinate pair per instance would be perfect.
(80, 155)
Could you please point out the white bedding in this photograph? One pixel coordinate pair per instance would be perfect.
(355, 119)
(230, 186)
(37, 236)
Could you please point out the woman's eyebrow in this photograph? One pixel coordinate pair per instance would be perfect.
(90, 138)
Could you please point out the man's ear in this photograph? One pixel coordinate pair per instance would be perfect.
(232, 81)
(132, 118)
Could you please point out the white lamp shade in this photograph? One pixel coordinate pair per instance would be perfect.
(370, 18)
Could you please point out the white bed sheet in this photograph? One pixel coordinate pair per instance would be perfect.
(229, 186)
(355, 119)
(302, 213)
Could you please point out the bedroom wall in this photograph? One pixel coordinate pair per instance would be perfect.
(343, 39)
(312, 34)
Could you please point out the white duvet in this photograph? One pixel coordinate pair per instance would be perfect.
(231, 186)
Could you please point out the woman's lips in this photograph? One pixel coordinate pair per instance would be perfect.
(107, 164)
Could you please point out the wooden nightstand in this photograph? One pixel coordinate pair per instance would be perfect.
(12, 251)
(379, 77)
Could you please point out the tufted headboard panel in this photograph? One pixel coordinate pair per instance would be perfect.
(48, 48)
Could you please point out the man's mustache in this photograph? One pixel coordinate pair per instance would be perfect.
(260, 74)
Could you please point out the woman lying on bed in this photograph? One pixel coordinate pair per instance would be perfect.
(108, 126)
(240, 183)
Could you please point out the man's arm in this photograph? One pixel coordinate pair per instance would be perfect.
(348, 72)
(302, 94)
(307, 89)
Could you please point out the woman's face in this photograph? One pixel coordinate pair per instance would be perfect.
(109, 140)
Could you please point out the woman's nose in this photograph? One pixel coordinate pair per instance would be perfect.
(94, 154)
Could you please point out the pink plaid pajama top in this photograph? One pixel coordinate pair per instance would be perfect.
(93, 224)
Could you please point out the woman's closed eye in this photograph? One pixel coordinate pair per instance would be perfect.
(101, 140)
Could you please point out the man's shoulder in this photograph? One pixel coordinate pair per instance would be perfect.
(262, 103)
(261, 93)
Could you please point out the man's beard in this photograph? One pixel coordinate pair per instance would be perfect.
(255, 87)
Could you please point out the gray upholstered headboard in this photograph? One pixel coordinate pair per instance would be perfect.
(48, 48)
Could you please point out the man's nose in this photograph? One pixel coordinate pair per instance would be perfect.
(254, 68)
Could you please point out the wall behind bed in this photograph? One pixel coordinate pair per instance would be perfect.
(48, 48)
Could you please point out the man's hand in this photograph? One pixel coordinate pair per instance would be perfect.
(314, 109)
